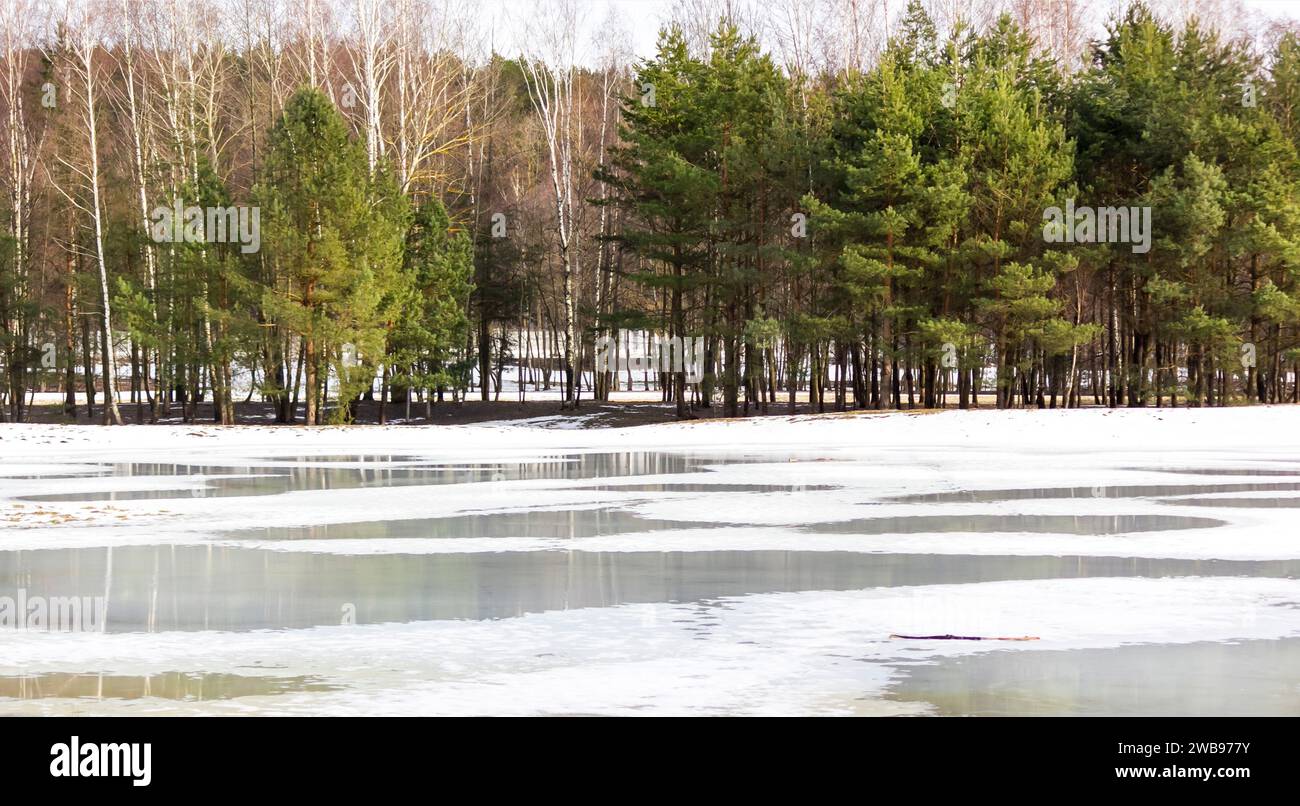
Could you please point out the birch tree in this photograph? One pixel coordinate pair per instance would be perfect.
(85, 92)
(550, 75)
(19, 23)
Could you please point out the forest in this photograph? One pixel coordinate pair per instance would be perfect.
(320, 204)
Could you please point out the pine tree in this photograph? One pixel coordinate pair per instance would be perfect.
(334, 237)
(661, 175)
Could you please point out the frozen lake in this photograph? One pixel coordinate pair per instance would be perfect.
(723, 568)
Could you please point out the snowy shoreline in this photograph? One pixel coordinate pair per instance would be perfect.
(1255, 427)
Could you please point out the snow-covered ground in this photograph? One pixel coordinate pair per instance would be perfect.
(750, 566)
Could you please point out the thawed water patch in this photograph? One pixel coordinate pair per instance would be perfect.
(976, 524)
(1219, 471)
(1246, 503)
(668, 486)
(276, 475)
(351, 458)
(1097, 491)
(212, 481)
(570, 523)
(162, 588)
(187, 686)
(1239, 678)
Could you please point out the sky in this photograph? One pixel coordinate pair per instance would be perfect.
(509, 23)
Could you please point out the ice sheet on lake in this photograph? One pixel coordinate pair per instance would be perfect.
(1061, 484)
